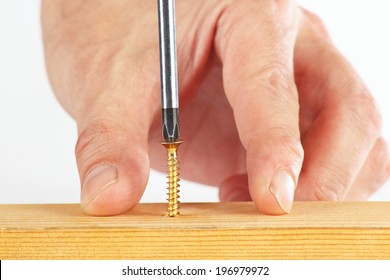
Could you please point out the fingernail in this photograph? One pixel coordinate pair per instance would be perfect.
(282, 187)
(97, 180)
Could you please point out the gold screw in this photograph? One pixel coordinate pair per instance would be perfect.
(173, 177)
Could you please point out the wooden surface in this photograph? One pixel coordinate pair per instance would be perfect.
(314, 230)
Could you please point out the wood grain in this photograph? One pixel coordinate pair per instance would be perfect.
(314, 230)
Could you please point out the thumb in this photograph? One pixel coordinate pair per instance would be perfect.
(112, 160)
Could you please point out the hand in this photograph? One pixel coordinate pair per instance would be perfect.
(260, 85)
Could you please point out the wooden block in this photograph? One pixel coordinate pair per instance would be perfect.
(314, 230)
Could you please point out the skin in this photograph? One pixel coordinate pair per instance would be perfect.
(263, 92)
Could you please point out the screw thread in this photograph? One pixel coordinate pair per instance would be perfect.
(173, 185)
(173, 178)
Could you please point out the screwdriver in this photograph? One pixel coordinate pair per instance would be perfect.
(169, 99)
(168, 70)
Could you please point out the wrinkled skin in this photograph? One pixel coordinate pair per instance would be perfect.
(264, 96)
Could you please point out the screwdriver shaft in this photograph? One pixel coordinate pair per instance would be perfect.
(168, 70)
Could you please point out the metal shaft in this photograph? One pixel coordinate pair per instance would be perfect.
(168, 68)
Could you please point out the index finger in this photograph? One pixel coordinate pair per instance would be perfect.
(255, 42)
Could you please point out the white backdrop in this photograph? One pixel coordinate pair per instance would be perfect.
(37, 137)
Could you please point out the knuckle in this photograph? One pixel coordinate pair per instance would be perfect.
(288, 139)
(330, 193)
(364, 114)
(313, 21)
(370, 112)
(270, 18)
(333, 186)
(325, 194)
(374, 115)
(278, 145)
(275, 84)
(313, 18)
(100, 141)
(274, 79)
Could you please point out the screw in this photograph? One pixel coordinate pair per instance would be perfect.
(173, 177)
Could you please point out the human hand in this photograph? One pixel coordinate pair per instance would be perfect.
(259, 82)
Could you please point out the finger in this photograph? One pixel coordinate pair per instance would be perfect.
(235, 188)
(105, 73)
(374, 173)
(255, 42)
(111, 151)
(345, 122)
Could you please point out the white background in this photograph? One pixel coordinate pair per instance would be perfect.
(278, 270)
(37, 137)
